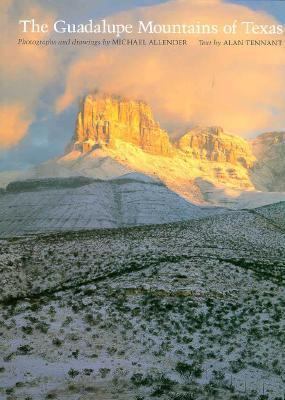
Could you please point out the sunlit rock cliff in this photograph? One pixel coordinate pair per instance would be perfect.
(214, 144)
(103, 119)
(115, 136)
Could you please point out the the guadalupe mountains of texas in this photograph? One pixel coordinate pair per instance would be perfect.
(182, 300)
(122, 169)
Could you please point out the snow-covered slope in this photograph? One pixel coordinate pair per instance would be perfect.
(198, 181)
(201, 182)
(275, 213)
(74, 203)
(190, 310)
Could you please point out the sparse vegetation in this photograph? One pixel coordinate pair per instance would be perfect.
(179, 312)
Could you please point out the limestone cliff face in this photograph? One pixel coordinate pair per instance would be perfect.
(213, 144)
(103, 119)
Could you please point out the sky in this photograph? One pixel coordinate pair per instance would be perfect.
(241, 89)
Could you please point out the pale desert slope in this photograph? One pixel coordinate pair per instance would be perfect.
(64, 204)
(189, 310)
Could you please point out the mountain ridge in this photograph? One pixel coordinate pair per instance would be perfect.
(102, 119)
(115, 136)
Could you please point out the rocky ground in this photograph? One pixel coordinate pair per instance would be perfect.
(191, 310)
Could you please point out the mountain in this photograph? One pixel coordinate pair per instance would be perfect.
(112, 129)
(115, 136)
(269, 171)
(205, 166)
(213, 144)
(104, 119)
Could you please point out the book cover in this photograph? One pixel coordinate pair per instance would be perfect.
(142, 199)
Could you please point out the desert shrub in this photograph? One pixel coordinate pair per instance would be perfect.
(139, 379)
(183, 368)
(27, 329)
(24, 349)
(73, 372)
(57, 342)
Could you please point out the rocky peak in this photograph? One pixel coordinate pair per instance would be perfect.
(213, 144)
(103, 119)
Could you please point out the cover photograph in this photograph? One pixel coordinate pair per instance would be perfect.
(142, 199)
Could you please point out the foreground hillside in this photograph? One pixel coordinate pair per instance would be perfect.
(274, 213)
(191, 310)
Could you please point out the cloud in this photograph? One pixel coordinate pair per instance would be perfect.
(24, 71)
(14, 123)
(241, 88)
